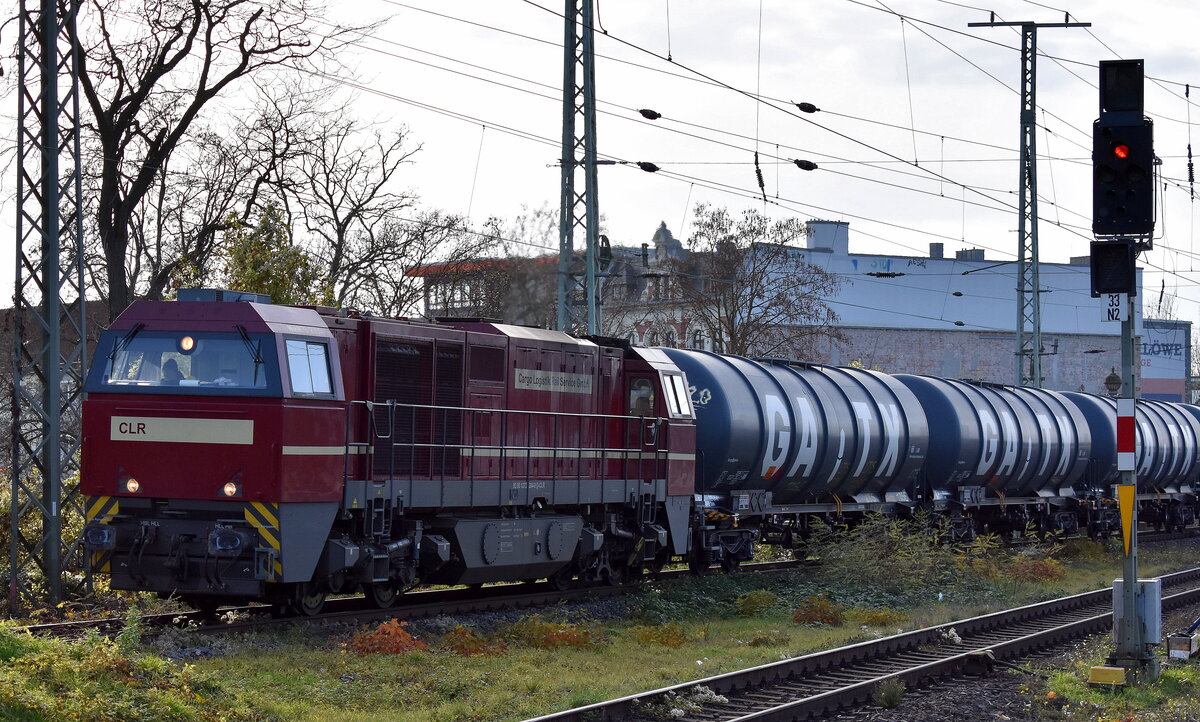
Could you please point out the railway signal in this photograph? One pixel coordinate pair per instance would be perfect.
(1123, 184)
(1123, 211)
(1114, 269)
(1122, 154)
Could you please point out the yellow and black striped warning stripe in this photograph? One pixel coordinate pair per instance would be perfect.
(101, 510)
(265, 518)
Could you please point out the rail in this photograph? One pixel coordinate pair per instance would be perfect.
(421, 441)
(815, 685)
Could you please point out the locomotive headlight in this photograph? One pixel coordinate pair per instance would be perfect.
(231, 489)
(132, 486)
(186, 344)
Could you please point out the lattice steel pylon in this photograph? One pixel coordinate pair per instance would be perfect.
(578, 282)
(1029, 306)
(1029, 303)
(49, 309)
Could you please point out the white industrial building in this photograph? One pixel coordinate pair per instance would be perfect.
(956, 317)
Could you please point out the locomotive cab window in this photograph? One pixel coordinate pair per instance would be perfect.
(641, 397)
(186, 363)
(308, 367)
(676, 393)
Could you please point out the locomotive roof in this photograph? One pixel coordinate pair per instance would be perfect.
(525, 332)
(219, 316)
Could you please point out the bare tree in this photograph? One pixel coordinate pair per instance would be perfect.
(749, 289)
(146, 88)
(355, 217)
(389, 287)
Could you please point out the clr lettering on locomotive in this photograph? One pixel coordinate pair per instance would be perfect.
(126, 427)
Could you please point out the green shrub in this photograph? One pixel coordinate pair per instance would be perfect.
(755, 603)
(820, 609)
(668, 635)
(540, 633)
(96, 679)
(467, 643)
(770, 638)
(876, 617)
(1036, 570)
(889, 693)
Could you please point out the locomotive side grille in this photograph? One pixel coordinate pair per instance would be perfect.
(447, 425)
(401, 373)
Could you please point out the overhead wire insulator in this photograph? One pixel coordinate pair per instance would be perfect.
(758, 172)
(805, 164)
(1191, 172)
(647, 166)
(650, 114)
(807, 107)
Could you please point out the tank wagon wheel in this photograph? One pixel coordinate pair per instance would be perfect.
(698, 567)
(730, 564)
(306, 600)
(381, 595)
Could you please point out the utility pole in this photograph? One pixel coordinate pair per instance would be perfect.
(49, 337)
(1123, 212)
(578, 288)
(1029, 306)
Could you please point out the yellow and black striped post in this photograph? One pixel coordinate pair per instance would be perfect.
(265, 518)
(101, 510)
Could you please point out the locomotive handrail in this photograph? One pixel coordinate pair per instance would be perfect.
(436, 430)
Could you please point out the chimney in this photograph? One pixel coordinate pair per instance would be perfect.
(937, 250)
(969, 254)
(829, 236)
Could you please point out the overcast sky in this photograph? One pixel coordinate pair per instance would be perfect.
(874, 76)
(916, 138)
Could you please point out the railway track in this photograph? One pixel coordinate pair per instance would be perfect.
(817, 685)
(414, 605)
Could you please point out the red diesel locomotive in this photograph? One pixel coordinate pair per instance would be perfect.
(243, 450)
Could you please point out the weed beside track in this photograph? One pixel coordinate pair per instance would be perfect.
(881, 577)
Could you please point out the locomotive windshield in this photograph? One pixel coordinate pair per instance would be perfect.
(185, 362)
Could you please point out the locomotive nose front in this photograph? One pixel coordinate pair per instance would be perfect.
(186, 431)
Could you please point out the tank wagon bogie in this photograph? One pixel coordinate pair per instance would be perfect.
(254, 451)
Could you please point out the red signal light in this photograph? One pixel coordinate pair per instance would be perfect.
(1121, 151)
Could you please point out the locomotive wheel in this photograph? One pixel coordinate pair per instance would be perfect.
(307, 600)
(658, 562)
(562, 579)
(698, 567)
(730, 564)
(614, 576)
(382, 595)
(206, 606)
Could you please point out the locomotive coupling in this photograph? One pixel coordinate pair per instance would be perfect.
(225, 542)
(100, 537)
